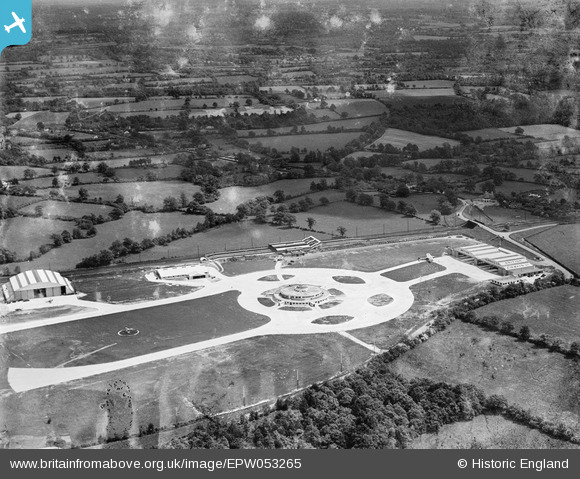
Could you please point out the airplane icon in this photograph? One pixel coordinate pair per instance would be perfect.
(17, 23)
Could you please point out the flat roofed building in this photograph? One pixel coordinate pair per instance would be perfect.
(305, 244)
(36, 283)
(505, 261)
(185, 272)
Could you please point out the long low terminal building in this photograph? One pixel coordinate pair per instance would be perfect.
(505, 262)
(303, 245)
(185, 273)
(36, 283)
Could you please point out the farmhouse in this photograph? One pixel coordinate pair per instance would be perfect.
(304, 245)
(184, 272)
(37, 283)
(505, 262)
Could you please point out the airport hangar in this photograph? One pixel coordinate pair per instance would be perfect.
(512, 266)
(36, 283)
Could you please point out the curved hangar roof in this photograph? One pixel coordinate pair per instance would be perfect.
(35, 279)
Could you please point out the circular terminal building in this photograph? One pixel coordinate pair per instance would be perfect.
(301, 294)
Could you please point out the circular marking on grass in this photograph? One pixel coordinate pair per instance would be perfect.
(294, 308)
(128, 332)
(379, 300)
(333, 319)
(348, 279)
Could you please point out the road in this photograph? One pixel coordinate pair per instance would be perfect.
(506, 236)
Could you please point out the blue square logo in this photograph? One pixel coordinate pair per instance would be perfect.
(15, 22)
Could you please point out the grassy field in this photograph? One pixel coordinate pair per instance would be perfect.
(229, 237)
(62, 208)
(166, 392)
(50, 153)
(519, 187)
(488, 432)
(546, 383)
(425, 92)
(361, 220)
(130, 287)
(17, 201)
(401, 138)
(378, 258)
(429, 295)
(160, 328)
(134, 225)
(147, 105)
(22, 235)
(414, 271)
(232, 196)
(429, 83)
(348, 124)
(561, 243)
(357, 107)
(313, 109)
(9, 172)
(138, 193)
(491, 134)
(320, 141)
(547, 131)
(553, 311)
(49, 118)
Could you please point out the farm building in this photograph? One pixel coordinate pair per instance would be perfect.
(295, 246)
(37, 283)
(185, 272)
(505, 262)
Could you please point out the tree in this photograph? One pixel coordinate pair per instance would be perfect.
(279, 196)
(524, 333)
(55, 182)
(56, 240)
(410, 210)
(170, 203)
(29, 174)
(324, 201)
(435, 216)
(311, 222)
(351, 195)
(341, 231)
(66, 236)
(402, 191)
(38, 210)
(575, 348)
(83, 194)
(365, 200)
(119, 199)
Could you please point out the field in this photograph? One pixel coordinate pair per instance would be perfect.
(519, 187)
(64, 209)
(546, 132)
(546, 383)
(488, 432)
(22, 235)
(358, 107)
(169, 391)
(234, 236)
(553, 311)
(9, 172)
(232, 196)
(401, 138)
(138, 193)
(50, 153)
(523, 174)
(377, 258)
(129, 287)
(160, 328)
(313, 109)
(414, 271)
(425, 92)
(429, 296)
(47, 117)
(148, 105)
(429, 83)
(17, 201)
(561, 243)
(358, 220)
(320, 141)
(134, 225)
(491, 134)
(349, 124)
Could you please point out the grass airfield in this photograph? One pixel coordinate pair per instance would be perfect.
(216, 347)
